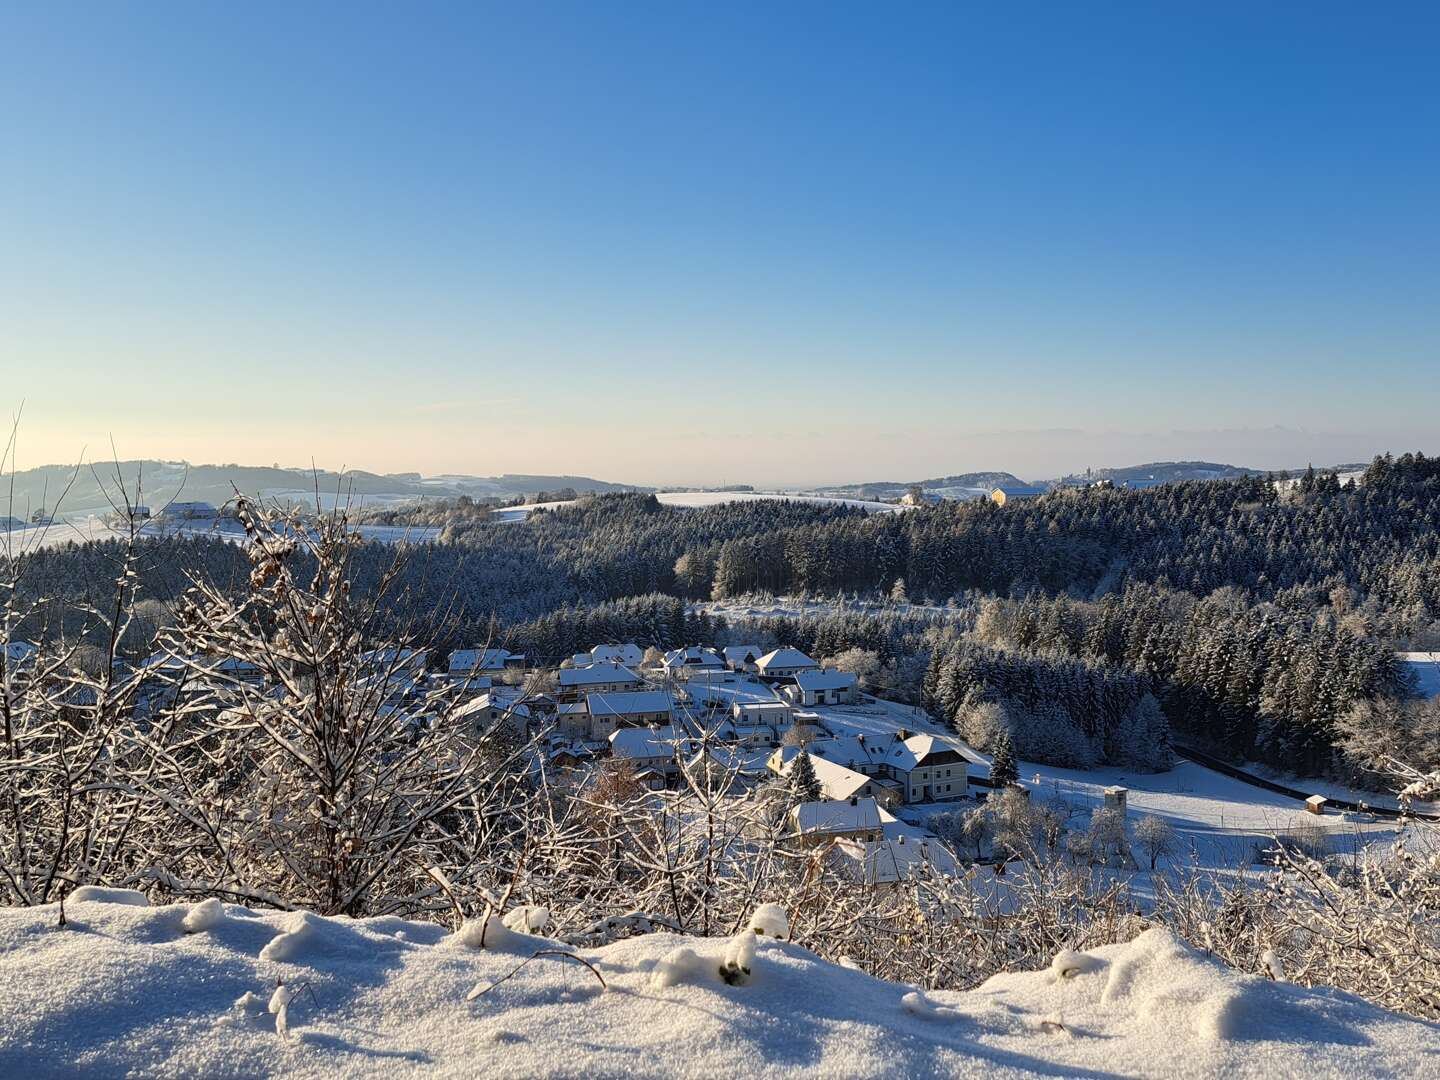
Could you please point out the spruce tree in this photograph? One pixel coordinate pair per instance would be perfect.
(804, 784)
(1003, 769)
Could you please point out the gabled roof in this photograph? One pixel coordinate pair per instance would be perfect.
(395, 656)
(825, 680)
(837, 781)
(918, 750)
(693, 656)
(623, 703)
(650, 743)
(784, 657)
(485, 702)
(596, 675)
(739, 654)
(462, 660)
(630, 655)
(836, 816)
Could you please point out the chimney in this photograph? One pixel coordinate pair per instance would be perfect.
(901, 840)
(854, 801)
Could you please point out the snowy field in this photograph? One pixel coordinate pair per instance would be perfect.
(1218, 819)
(79, 530)
(220, 991)
(1425, 667)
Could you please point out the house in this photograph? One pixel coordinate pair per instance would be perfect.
(597, 679)
(1006, 493)
(636, 708)
(691, 661)
(470, 663)
(836, 819)
(930, 769)
(824, 688)
(899, 858)
(632, 656)
(784, 663)
(920, 498)
(741, 657)
(140, 513)
(773, 714)
(489, 712)
(572, 719)
(902, 768)
(657, 749)
(838, 781)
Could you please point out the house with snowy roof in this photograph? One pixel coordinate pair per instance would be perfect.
(903, 768)
(783, 663)
(811, 688)
(773, 714)
(396, 658)
(471, 663)
(741, 657)
(610, 711)
(691, 661)
(632, 656)
(836, 819)
(896, 859)
(659, 749)
(838, 781)
(490, 712)
(597, 679)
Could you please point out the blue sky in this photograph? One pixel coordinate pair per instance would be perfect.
(780, 243)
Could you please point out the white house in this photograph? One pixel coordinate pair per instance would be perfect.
(489, 712)
(741, 657)
(775, 714)
(900, 858)
(468, 663)
(632, 656)
(598, 679)
(836, 819)
(784, 662)
(653, 748)
(912, 769)
(636, 708)
(691, 661)
(838, 781)
(824, 688)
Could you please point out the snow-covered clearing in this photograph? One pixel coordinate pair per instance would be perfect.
(1425, 667)
(1218, 819)
(126, 990)
(696, 499)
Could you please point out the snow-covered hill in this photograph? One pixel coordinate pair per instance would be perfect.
(184, 990)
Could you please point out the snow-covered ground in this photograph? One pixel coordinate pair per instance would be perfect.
(695, 499)
(1218, 820)
(1425, 666)
(81, 529)
(175, 991)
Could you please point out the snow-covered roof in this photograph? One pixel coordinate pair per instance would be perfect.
(693, 656)
(642, 742)
(19, 652)
(917, 750)
(784, 657)
(763, 708)
(900, 858)
(740, 654)
(836, 816)
(463, 660)
(630, 655)
(624, 703)
(485, 702)
(596, 675)
(825, 680)
(836, 781)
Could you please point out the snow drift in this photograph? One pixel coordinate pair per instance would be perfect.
(192, 990)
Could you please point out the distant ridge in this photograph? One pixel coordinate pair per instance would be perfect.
(162, 481)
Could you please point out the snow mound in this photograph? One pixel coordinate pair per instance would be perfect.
(97, 894)
(124, 989)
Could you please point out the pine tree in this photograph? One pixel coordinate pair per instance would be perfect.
(804, 784)
(1003, 769)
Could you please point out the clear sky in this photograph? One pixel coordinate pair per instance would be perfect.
(773, 243)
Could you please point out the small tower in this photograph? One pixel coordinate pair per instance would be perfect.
(1115, 799)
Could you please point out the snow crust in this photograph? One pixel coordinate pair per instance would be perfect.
(125, 989)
